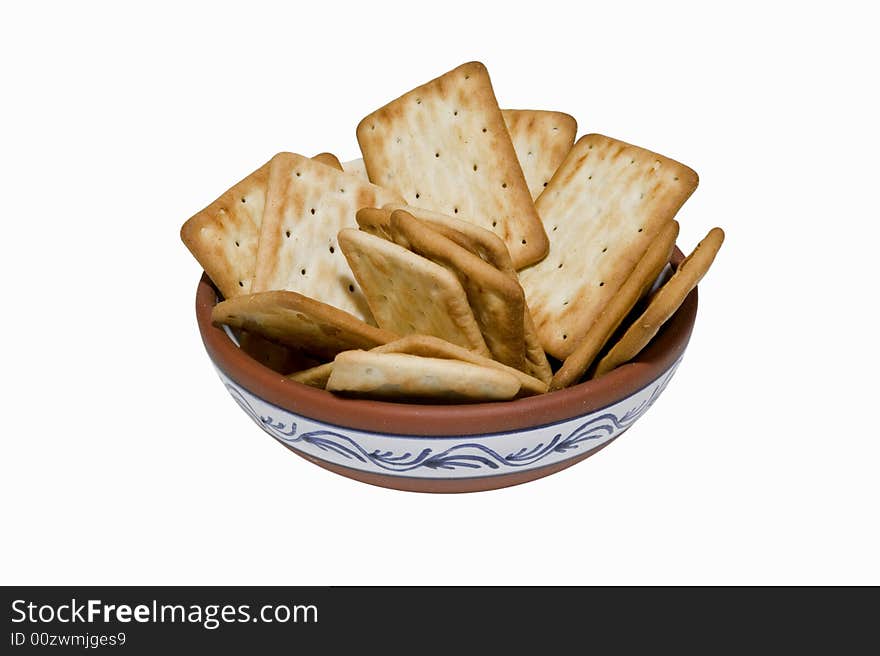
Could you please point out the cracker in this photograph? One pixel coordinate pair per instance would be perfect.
(375, 221)
(314, 376)
(300, 322)
(602, 209)
(399, 376)
(541, 140)
(429, 347)
(408, 293)
(307, 204)
(434, 347)
(357, 167)
(664, 303)
(479, 241)
(495, 298)
(329, 159)
(636, 286)
(444, 146)
(224, 236)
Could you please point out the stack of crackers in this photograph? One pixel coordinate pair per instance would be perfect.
(473, 254)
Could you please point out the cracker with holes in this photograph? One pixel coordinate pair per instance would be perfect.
(224, 236)
(307, 204)
(408, 293)
(663, 303)
(602, 209)
(299, 322)
(541, 140)
(495, 298)
(444, 146)
(637, 284)
(400, 376)
(479, 241)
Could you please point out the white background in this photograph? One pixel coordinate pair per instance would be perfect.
(124, 461)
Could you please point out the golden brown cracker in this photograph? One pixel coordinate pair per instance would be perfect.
(602, 209)
(444, 146)
(636, 286)
(329, 159)
(479, 241)
(307, 204)
(496, 299)
(225, 235)
(541, 140)
(434, 347)
(399, 376)
(408, 293)
(663, 303)
(299, 322)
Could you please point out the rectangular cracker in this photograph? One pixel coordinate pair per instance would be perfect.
(434, 347)
(400, 376)
(408, 293)
(636, 286)
(307, 204)
(300, 322)
(225, 235)
(444, 146)
(541, 140)
(477, 240)
(602, 208)
(429, 347)
(663, 303)
(495, 298)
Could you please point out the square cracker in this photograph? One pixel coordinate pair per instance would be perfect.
(479, 241)
(444, 146)
(408, 293)
(602, 209)
(306, 205)
(541, 139)
(429, 347)
(663, 303)
(495, 298)
(636, 286)
(400, 376)
(299, 322)
(224, 236)
(434, 347)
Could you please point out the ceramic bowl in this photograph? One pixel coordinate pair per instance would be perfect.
(447, 448)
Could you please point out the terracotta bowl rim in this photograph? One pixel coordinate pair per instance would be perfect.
(422, 420)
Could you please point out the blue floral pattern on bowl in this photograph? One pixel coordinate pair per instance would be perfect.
(454, 456)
